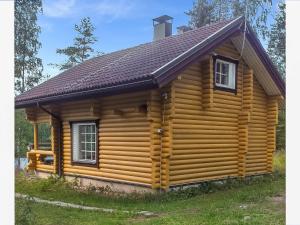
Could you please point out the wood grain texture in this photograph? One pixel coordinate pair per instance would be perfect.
(207, 134)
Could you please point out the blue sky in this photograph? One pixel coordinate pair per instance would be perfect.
(119, 23)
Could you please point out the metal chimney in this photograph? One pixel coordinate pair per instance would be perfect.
(162, 27)
(182, 29)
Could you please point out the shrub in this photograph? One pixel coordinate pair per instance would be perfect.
(279, 163)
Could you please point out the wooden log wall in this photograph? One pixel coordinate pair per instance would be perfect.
(154, 117)
(272, 121)
(208, 134)
(244, 118)
(124, 138)
(206, 70)
(217, 134)
(55, 126)
(256, 159)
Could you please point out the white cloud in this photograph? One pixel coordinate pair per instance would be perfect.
(114, 9)
(59, 8)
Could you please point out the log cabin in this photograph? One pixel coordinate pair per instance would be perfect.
(197, 106)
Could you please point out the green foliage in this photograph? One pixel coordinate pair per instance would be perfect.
(279, 163)
(280, 131)
(205, 12)
(201, 14)
(44, 136)
(82, 47)
(57, 186)
(28, 67)
(276, 45)
(24, 213)
(219, 203)
(23, 133)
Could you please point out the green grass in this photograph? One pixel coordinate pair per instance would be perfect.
(252, 202)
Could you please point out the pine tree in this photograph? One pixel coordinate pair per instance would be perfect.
(201, 14)
(82, 47)
(28, 67)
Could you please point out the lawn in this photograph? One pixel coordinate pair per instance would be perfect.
(258, 201)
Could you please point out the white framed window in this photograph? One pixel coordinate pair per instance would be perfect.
(84, 142)
(225, 74)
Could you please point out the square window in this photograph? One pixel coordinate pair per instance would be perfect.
(225, 73)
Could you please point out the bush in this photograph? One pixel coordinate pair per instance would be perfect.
(279, 163)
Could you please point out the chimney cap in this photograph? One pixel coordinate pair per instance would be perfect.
(162, 19)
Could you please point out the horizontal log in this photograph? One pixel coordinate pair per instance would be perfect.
(204, 174)
(202, 165)
(204, 155)
(110, 175)
(202, 170)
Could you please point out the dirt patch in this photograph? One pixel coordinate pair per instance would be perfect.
(279, 199)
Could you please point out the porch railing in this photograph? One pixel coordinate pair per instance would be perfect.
(37, 161)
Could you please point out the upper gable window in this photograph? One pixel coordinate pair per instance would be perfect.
(225, 73)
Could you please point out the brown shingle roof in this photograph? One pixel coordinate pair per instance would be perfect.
(126, 65)
(129, 66)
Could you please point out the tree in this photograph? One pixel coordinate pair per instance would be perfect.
(276, 45)
(23, 133)
(276, 50)
(28, 67)
(201, 14)
(82, 47)
(257, 13)
(208, 11)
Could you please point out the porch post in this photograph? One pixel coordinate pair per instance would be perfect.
(35, 136)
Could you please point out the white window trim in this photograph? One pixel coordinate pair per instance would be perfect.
(76, 151)
(231, 76)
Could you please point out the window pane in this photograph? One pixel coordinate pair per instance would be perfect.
(88, 129)
(225, 68)
(89, 137)
(218, 67)
(88, 155)
(88, 147)
(217, 78)
(224, 79)
(81, 137)
(82, 155)
(44, 136)
(81, 129)
(93, 156)
(82, 145)
(93, 127)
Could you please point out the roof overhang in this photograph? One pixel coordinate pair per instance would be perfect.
(104, 91)
(256, 57)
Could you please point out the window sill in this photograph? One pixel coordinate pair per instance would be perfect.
(227, 89)
(85, 163)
